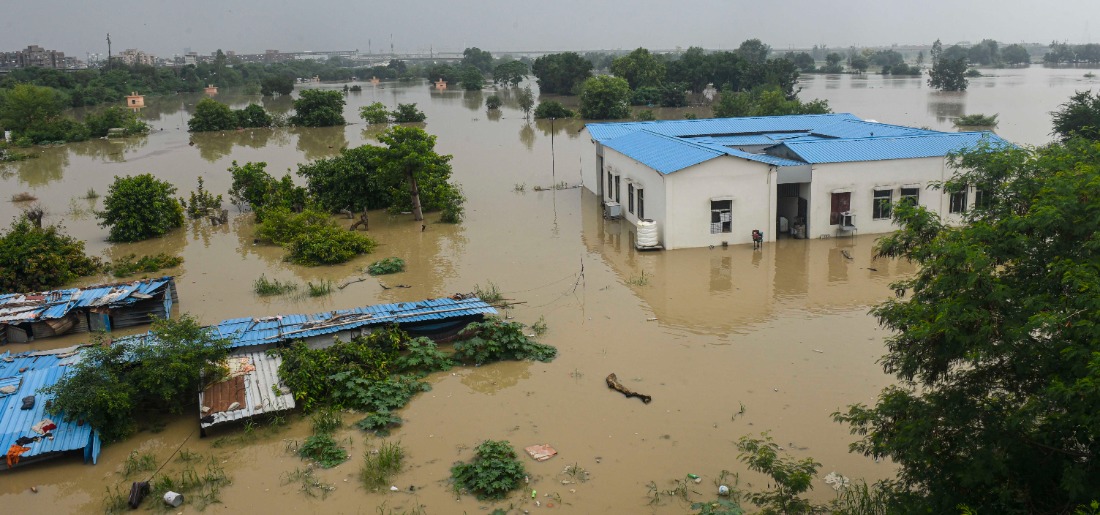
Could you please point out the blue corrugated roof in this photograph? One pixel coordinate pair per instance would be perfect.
(16, 308)
(246, 332)
(662, 153)
(885, 148)
(865, 129)
(718, 126)
(42, 369)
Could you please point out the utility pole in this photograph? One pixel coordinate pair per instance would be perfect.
(108, 50)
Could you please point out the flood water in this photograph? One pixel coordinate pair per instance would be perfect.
(727, 341)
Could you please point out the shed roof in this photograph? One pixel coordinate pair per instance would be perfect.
(264, 391)
(42, 369)
(887, 148)
(17, 308)
(719, 126)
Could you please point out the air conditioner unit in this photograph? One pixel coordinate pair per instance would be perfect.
(847, 221)
(612, 209)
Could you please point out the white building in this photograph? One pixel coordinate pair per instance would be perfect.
(713, 181)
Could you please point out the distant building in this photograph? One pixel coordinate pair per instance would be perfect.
(133, 56)
(35, 56)
(135, 101)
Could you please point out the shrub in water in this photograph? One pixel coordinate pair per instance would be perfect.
(493, 473)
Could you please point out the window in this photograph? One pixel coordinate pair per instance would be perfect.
(721, 216)
(617, 199)
(982, 198)
(641, 203)
(958, 202)
(841, 203)
(630, 197)
(881, 207)
(610, 185)
(910, 195)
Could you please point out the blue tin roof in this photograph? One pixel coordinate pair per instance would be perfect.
(886, 148)
(16, 308)
(662, 153)
(247, 332)
(42, 369)
(719, 126)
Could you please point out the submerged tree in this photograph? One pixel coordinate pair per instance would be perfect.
(411, 153)
(995, 348)
(34, 258)
(948, 72)
(318, 108)
(140, 207)
(1080, 117)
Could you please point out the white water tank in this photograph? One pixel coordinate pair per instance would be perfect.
(647, 233)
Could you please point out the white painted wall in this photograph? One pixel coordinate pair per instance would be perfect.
(629, 172)
(862, 178)
(751, 185)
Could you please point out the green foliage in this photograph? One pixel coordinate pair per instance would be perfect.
(202, 203)
(994, 347)
(282, 226)
(324, 450)
(253, 186)
(26, 107)
(645, 115)
(310, 373)
(200, 489)
(114, 117)
(718, 507)
(947, 73)
(390, 265)
(327, 245)
(493, 102)
(493, 473)
(408, 113)
(379, 423)
(211, 115)
(422, 356)
(321, 289)
(326, 421)
(453, 209)
(639, 68)
(380, 465)
(318, 108)
(1080, 117)
(159, 374)
(1015, 54)
(561, 73)
(510, 73)
(138, 462)
(253, 116)
(41, 258)
(265, 287)
(526, 100)
(472, 79)
(281, 84)
(131, 264)
(765, 102)
(375, 113)
(552, 109)
(976, 120)
(140, 207)
(604, 98)
(351, 180)
(497, 340)
(791, 477)
(478, 59)
(646, 96)
(410, 154)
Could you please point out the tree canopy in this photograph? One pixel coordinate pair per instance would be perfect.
(140, 207)
(478, 58)
(561, 73)
(995, 347)
(211, 115)
(948, 72)
(604, 98)
(510, 72)
(639, 68)
(318, 108)
(765, 102)
(1079, 117)
(36, 258)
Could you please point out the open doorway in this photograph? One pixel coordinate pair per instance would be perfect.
(792, 208)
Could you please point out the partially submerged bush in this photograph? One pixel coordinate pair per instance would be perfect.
(496, 340)
(380, 465)
(493, 473)
(140, 207)
(390, 265)
(312, 237)
(40, 258)
(379, 423)
(422, 356)
(265, 287)
(131, 264)
(553, 109)
(375, 113)
(323, 449)
(202, 202)
(408, 113)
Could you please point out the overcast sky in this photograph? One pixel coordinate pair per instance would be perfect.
(166, 27)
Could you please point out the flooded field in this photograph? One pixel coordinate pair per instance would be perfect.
(727, 341)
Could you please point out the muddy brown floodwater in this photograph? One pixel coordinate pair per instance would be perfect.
(727, 341)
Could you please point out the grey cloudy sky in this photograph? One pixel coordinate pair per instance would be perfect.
(165, 27)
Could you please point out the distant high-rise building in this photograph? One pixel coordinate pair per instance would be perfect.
(35, 56)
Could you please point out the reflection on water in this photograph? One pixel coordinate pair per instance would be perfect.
(320, 142)
(109, 150)
(473, 100)
(527, 136)
(48, 165)
(947, 106)
(492, 379)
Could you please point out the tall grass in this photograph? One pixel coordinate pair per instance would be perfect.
(265, 287)
(380, 465)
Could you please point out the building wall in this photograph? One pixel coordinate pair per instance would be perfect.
(861, 179)
(749, 185)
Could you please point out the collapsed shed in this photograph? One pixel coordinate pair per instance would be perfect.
(25, 317)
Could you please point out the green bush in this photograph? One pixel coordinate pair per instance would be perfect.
(112, 118)
(202, 202)
(324, 450)
(36, 259)
(496, 340)
(493, 473)
(375, 113)
(328, 245)
(140, 207)
(211, 115)
(131, 264)
(381, 465)
(423, 356)
(318, 108)
(265, 287)
(408, 113)
(390, 265)
(379, 423)
(253, 116)
(552, 109)
(282, 226)
(493, 102)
